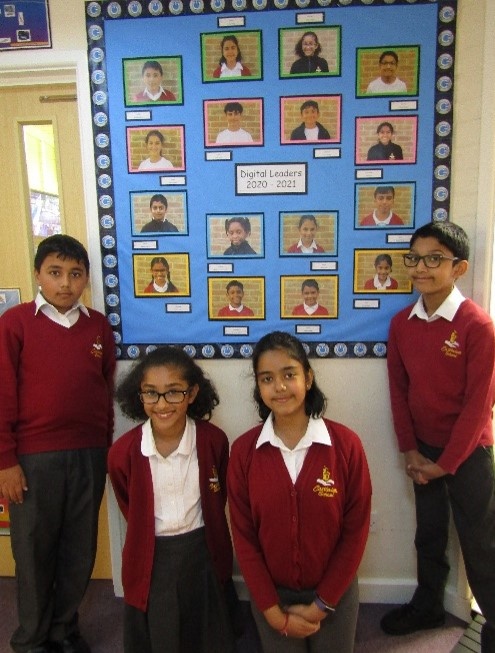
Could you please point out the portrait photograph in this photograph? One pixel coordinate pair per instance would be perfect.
(152, 81)
(390, 205)
(235, 234)
(313, 119)
(231, 56)
(233, 122)
(309, 297)
(390, 70)
(157, 149)
(236, 298)
(161, 275)
(158, 213)
(308, 233)
(313, 52)
(386, 139)
(380, 271)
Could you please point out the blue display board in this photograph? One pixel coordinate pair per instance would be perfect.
(262, 164)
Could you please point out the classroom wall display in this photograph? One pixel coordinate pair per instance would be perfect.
(262, 164)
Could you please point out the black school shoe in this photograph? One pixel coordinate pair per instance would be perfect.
(408, 619)
(72, 644)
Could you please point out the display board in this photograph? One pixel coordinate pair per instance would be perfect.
(262, 164)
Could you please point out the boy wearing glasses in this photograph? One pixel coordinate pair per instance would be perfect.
(56, 420)
(441, 361)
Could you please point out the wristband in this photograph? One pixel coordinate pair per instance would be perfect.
(324, 607)
(283, 630)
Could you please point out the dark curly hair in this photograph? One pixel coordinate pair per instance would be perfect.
(127, 393)
(315, 401)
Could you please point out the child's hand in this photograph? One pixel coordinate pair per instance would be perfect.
(414, 461)
(309, 612)
(13, 484)
(299, 627)
(428, 471)
(293, 626)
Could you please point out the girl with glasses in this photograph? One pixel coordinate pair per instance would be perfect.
(169, 477)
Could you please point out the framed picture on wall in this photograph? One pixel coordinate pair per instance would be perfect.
(152, 81)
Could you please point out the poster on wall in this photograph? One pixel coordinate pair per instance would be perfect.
(262, 164)
(24, 24)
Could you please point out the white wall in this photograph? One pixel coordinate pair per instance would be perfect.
(357, 389)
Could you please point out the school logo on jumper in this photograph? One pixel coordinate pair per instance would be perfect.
(214, 482)
(451, 347)
(97, 348)
(325, 486)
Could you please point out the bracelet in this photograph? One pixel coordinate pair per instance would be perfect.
(324, 607)
(283, 630)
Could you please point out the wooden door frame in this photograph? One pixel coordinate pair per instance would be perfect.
(57, 68)
(62, 68)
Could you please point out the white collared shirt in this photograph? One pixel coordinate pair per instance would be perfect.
(175, 479)
(310, 309)
(379, 222)
(160, 288)
(307, 250)
(66, 320)
(311, 133)
(316, 433)
(236, 71)
(155, 96)
(379, 285)
(237, 309)
(447, 309)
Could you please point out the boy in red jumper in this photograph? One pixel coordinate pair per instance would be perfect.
(441, 361)
(56, 418)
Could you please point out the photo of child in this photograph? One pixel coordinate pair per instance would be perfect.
(386, 140)
(383, 215)
(314, 119)
(310, 129)
(307, 243)
(161, 275)
(309, 53)
(237, 231)
(152, 81)
(231, 57)
(309, 297)
(382, 279)
(236, 298)
(156, 150)
(233, 122)
(234, 133)
(389, 71)
(385, 206)
(308, 233)
(235, 235)
(379, 271)
(235, 308)
(159, 222)
(310, 292)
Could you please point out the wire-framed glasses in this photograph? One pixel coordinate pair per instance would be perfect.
(430, 260)
(171, 396)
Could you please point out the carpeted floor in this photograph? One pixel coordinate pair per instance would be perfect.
(101, 624)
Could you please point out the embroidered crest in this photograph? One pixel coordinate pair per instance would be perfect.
(97, 348)
(214, 482)
(451, 347)
(325, 486)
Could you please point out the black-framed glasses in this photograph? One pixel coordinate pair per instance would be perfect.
(171, 396)
(430, 260)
